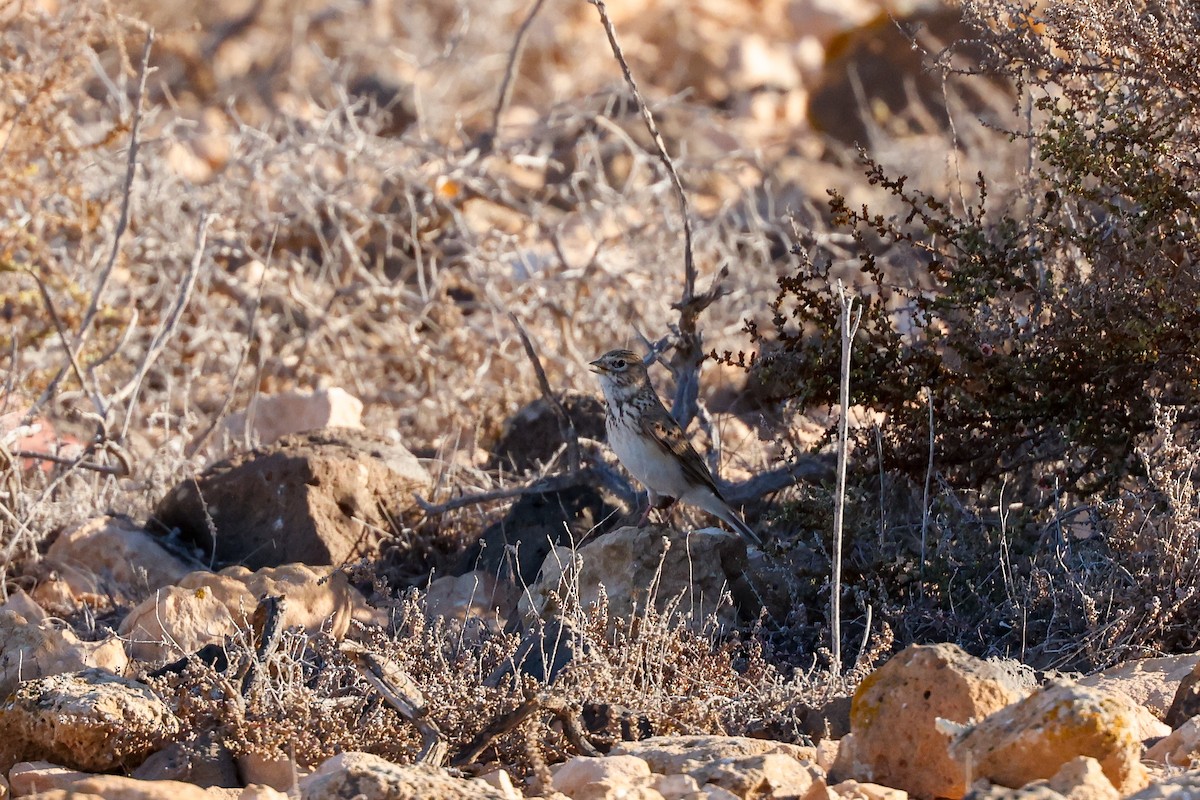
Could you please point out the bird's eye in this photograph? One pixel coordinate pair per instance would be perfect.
(619, 363)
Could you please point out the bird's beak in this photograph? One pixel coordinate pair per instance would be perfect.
(597, 367)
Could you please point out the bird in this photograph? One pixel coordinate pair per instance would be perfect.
(651, 445)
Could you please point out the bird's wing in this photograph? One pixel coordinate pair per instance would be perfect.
(662, 428)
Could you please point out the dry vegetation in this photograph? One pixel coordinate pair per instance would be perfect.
(309, 197)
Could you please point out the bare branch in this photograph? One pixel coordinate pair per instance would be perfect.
(565, 426)
(506, 85)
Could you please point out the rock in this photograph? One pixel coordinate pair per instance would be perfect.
(499, 779)
(1082, 778)
(20, 602)
(675, 787)
(477, 595)
(36, 649)
(367, 777)
(895, 738)
(1180, 748)
(676, 755)
(1183, 786)
(1151, 682)
(273, 416)
(853, 790)
(110, 559)
(1035, 737)
(318, 498)
(206, 607)
(617, 772)
(117, 787)
(205, 762)
(982, 790)
(768, 775)
(533, 435)
(1186, 702)
(90, 720)
(633, 567)
(515, 547)
(30, 777)
(279, 773)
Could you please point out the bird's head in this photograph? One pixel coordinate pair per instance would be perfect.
(620, 369)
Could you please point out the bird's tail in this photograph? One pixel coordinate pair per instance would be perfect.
(727, 514)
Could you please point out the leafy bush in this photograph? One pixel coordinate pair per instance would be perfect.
(1045, 326)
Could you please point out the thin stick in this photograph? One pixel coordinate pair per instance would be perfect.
(566, 426)
(122, 225)
(126, 194)
(506, 85)
(925, 494)
(688, 350)
(849, 328)
(133, 388)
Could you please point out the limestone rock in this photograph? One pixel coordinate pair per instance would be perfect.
(1152, 682)
(675, 755)
(273, 416)
(369, 777)
(982, 790)
(1035, 737)
(317, 498)
(117, 787)
(696, 569)
(616, 773)
(111, 558)
(895, 738)
(476, 595)
(30, 777)
(1184, 786)
(35, 649)
(205, 607)
(1082, 778)
(90, 720)
(853, 790)
(1181, 748)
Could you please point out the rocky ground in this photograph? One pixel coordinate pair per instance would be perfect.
(284, 507)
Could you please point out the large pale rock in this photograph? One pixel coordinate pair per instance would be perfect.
(738, 766)
(634, 567)
(1083, 778)
(1033, 738)
(1152, 682)
(117, 787)
(90, 720)
(676, 755)
(362, 776)
(36, 649)
(30, 777)
(1180, 748)
(1183, 786)
(205, 607)
(112, 558)
(273, 416)
(615, 773)
(476, 595)
(896, 740)
(325, 497)
(853, 790)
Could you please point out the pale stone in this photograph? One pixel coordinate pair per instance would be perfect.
(33, 650)
(90, 720)
(1152, 682)
(672, 755)
(112, 557)
(853, 790)
(205, 607)
(1082, 779)
(499, 779)
(1183, 786)
(896, 740)
(476, 595)
(1033, 738)
(20, 602)
(30, 777)
(1180, 748)
(369, 777)
(117, 787)
(827, 753)
(273, 416)
(572, 776)
(675, 787)
(277, 773)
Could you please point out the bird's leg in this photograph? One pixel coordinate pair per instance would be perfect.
(657, 503)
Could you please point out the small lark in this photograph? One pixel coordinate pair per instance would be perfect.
(652, 446)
